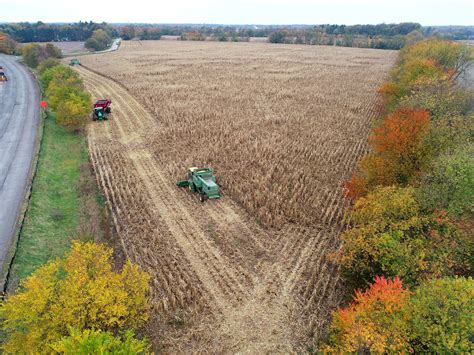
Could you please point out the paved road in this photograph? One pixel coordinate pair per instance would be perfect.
(115, 45)
(19, 120)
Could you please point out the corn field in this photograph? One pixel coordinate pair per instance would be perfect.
(283, 127)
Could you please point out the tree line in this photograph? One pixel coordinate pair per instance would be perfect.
(382, 36)
(408, 246)
(25, 32)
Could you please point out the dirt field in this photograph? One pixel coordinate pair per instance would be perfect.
(283, 127)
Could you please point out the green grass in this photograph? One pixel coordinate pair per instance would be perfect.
(53, 213)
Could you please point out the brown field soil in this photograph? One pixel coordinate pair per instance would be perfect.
(283, 127)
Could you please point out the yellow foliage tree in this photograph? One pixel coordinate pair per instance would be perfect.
(80, 291)
(73, 113)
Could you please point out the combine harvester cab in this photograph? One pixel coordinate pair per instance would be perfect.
(101, 110)
(202, 181)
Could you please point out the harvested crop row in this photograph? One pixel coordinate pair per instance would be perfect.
(254, 288)
(283, 126)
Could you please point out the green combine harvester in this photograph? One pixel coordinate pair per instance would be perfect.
(74, 61)
(202, 181)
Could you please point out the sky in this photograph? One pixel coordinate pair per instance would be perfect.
(426, 12)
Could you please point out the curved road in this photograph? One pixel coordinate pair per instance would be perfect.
(19, 120)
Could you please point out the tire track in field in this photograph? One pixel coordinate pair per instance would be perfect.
(221, 280)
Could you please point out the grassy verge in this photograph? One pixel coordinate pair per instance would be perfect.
(64, 203)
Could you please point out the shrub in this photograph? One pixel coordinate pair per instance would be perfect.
(373, 322)
(79, 291)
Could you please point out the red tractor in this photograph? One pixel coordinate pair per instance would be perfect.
(101, 109)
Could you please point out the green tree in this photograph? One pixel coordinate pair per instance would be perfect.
(94, 44)
(33, 54)
(99, 40)
(80, 291)
(277, 37)
(47, 64)
(449, 183)
(440, 316)
(52, 51)
(91, 341)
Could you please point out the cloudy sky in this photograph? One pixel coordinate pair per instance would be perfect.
(426, 12)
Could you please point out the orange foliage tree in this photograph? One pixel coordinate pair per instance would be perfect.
(398, 153)
(373, 322)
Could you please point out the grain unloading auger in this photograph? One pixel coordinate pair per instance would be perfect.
(202, 181)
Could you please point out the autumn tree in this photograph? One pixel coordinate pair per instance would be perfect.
(389, 235)
(436, 318)
(64, 89)
(74, 112)
(80, 291)
(7, 45)
(373, 322)
(424, 64)
(452, 57)
(398, 152)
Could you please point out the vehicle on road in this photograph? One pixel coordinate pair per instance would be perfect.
(101, 109)
(202, 181)
(3, 77)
